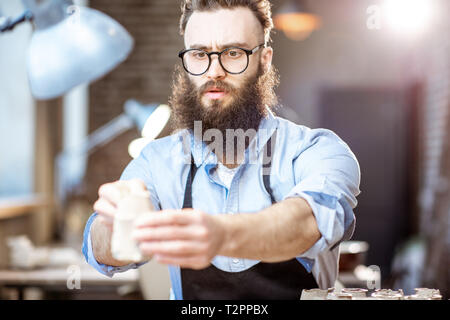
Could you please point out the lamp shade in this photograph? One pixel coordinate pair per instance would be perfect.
(151, 119)
(139, 112)
(296, 20)
(80, 48)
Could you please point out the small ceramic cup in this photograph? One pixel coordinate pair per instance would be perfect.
(426, 292)
(339, 296)
(388, 294)
(314, 294)
(355, 292)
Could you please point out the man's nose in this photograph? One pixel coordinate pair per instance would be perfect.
(215, 69)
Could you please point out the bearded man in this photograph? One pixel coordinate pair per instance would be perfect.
(245, 204)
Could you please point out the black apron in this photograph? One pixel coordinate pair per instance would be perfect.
(280, 280)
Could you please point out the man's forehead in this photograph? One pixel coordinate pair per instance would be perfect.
(217, 28)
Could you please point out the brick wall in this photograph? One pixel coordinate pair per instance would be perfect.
(146, 76)
(435, 164)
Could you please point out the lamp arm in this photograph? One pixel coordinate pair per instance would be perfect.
(9, 23)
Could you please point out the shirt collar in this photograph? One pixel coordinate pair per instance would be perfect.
(266, 128)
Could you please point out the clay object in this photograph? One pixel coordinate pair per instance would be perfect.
(427, 293)
(388, 294)
(355, 292)
(123, 247)
(365, 298)
(24, 255)
(389, 297)
(339, 296)
(314, 294)
(415, 297)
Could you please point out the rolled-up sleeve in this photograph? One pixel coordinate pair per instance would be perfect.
(327, 176)
(136, 169)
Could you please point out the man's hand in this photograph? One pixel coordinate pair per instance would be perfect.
(109, 196)
(189, 238)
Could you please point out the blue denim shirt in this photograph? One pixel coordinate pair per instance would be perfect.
(314, 164)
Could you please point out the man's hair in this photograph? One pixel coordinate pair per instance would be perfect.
(261, 9)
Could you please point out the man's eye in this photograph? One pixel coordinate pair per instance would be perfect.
(234, 53)
(199, 55)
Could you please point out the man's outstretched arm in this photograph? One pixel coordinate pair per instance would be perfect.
(280, 232)
(191, 238)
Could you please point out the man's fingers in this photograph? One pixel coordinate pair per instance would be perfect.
(112, 192)
(173, 247)
(136, 185)
(165, 217)
(162, 233)
(193, 262)
(115, 191)
(104, 208)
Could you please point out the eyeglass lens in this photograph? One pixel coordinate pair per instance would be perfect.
(234, 60)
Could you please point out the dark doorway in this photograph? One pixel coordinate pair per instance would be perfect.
(379, 126)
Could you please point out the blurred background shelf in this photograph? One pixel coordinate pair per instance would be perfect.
(12, 207)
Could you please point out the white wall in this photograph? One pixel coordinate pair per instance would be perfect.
(16, 108)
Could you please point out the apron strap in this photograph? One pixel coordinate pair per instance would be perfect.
(187, 202)
(267, 165)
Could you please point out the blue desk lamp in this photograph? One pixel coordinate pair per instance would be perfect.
(70, 45)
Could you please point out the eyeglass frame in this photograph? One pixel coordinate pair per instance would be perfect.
(219, 53)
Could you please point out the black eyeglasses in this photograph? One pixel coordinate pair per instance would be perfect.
(233, 60)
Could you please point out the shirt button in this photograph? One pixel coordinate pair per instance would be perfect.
(236, 261)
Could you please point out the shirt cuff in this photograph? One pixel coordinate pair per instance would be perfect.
(328, 220)
(90, 259)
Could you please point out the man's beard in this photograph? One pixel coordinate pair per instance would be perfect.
(245, 110)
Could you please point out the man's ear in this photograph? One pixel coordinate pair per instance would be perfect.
(266, 58)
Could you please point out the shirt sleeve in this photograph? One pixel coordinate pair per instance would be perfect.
(327, 176)
(137, 168)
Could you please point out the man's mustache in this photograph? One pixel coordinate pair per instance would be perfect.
(218, 84)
